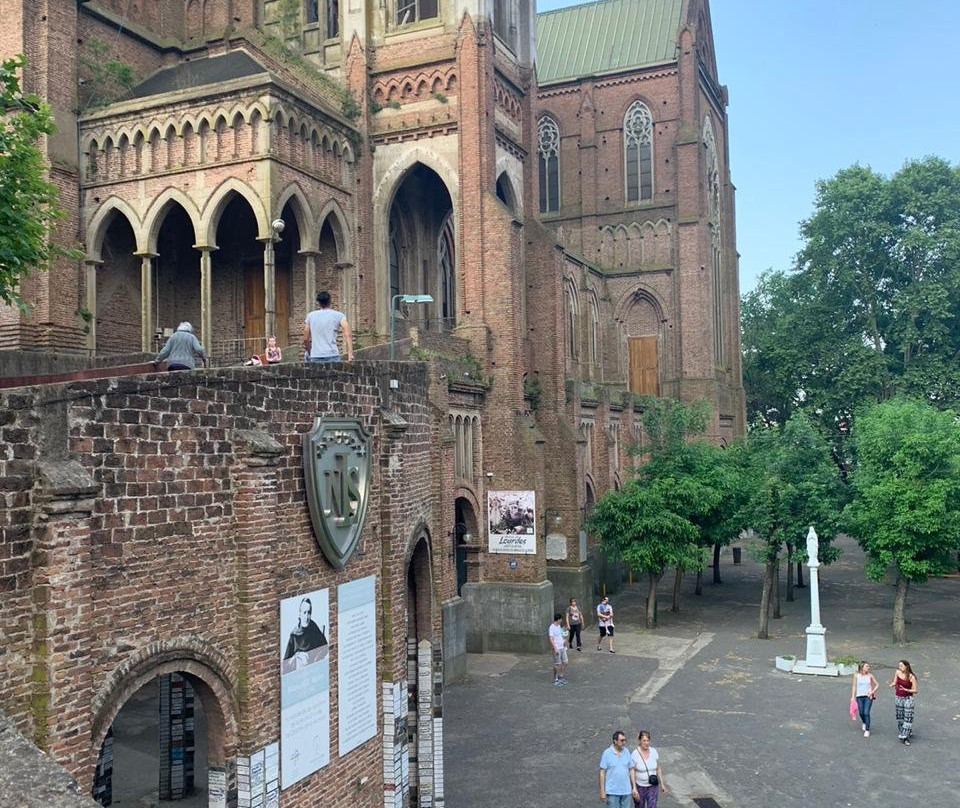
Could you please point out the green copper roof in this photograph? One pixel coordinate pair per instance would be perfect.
(605, 35)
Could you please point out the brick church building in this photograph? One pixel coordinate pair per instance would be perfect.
(557, 184)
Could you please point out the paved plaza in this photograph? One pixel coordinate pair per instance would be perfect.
(727, 724)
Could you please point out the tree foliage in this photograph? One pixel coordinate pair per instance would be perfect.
(906, 512)
(28, 201)
(656, 521)
(788, 481)
(872, 309)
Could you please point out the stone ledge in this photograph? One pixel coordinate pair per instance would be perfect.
(31, 779)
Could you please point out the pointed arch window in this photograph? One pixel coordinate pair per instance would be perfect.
(594, 332)
(572, 306)
(445, 263)
(716, 242)
(395, 253)
(638, 152)
(548, 140)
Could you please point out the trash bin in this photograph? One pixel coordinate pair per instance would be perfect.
(736, 555)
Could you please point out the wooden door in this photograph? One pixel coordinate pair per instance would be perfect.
(644, 373)
(254, 309)
(282, 306)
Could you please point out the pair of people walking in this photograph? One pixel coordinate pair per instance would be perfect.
(574, 624)
(635, 776)
(863, 690)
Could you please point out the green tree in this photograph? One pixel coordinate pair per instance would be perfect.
(787, 483)
(872, 309)
(643, 525)
(906, 508)
(655, 521)
(28, 201)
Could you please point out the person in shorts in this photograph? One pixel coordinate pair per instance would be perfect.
(559, 648)
(605, 621)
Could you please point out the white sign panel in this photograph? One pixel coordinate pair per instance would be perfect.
(357, 662)
(512, 522)
(304, 685)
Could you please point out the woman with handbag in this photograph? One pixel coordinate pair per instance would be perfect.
(649, 777)
(863, 690)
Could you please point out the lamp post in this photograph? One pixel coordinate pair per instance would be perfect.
(393, 314)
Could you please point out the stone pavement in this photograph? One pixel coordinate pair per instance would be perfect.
(727, 724)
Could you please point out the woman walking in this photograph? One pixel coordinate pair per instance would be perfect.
(863, 688)
(574, 623)
(648, 774)
(904, 683)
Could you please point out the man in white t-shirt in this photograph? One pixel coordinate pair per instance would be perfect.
(559, 648)
(320, 332)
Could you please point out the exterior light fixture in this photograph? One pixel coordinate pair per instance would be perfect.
(393, 314)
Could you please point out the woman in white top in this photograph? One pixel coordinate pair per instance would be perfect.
(648, 776)
(863, 688)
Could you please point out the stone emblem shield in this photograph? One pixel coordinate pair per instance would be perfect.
(336, 470)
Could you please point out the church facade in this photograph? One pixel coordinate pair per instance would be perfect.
(566, 207)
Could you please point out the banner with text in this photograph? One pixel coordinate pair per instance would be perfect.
(357, 662)
(512, 522)
(304, 685)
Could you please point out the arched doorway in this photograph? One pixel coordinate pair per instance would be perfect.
(237, 286)
(176, 270)
(159, 747)
(423, 660)
(118, 307)
(421, 253)
(464, 533)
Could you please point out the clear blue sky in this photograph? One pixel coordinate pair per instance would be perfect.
(817, 85)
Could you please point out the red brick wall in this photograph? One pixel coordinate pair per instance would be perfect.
(193, 540)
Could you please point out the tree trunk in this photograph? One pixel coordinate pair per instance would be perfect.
(651, 621)
(716, 563)
(678, 579)
(800, 583)
(768, 573)
(776, 591)
(699, 589)
(899, 609)
(789, 576)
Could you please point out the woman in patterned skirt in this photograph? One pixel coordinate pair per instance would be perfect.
(905, 684)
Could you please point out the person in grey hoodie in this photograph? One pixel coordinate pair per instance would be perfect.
(182, 350)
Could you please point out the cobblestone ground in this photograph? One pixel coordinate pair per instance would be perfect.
(727, 724)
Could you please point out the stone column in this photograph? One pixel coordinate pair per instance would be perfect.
(91, 266)
(63, 615)
(269, 287)
(310, 278)
(146, 301)
(254, 479)
(206, 297)
(347, 296)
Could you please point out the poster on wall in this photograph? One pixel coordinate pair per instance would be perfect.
(512, 522)
(304, 685)
(357, 662)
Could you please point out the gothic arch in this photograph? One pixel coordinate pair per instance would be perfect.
(189, 655)
(384, 195)
(293, 194)
(97, 227)
(339, 225)
(155, 214)
(629, 299)
(218, 201)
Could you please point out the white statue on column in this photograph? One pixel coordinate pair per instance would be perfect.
(816, 660)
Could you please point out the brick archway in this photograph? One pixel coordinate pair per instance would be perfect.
(206, 670)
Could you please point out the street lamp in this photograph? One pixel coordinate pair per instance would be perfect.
(393, 314)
